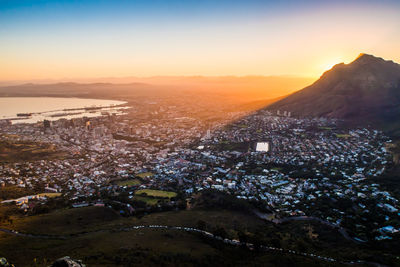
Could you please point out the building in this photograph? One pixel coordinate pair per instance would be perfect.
(262, 147)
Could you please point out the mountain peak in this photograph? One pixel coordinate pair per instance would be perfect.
(367, 59)
(367, 89)
(363, 55)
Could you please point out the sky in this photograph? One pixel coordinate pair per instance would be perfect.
(88, 39)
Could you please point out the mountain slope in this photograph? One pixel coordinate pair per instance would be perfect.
(367, 89)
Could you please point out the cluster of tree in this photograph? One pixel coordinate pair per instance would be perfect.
(390, 180)
(214, 199)
(50, 205)
(13, 192)
(6, 213)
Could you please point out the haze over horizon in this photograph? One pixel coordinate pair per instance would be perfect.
(87, 39)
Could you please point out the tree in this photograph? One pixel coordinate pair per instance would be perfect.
(220, 231)
(202, 225)
(243, 237)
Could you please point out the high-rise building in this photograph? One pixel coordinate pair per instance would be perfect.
(208, 134)
(88, 127)
(46, 124)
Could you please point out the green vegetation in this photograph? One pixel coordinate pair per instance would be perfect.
(49, 195)
(145, 174)
(12, 150)
(152, 197)
(149, 201)
(13, 192)
(129, 182)
(325, 128)
(99, 237)
(229, 146)
(7, 214)
(65, 221)
(95, 235)
(390, 180)
(156, 193)
(343, 135)
(147, 247)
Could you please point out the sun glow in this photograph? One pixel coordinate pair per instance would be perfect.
(80, 40)
(329, 64)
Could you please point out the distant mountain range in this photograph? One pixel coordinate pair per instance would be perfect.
(242, 89)
(367, 90)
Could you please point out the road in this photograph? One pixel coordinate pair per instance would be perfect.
(341, 230)
(233, 242)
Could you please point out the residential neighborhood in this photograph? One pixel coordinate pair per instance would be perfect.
(291, 166)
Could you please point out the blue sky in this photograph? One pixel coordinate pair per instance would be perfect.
(41, 39)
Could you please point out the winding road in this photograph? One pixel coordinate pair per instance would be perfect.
(233, 242)
(340, 229)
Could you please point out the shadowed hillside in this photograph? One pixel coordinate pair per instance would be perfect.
(367, 89)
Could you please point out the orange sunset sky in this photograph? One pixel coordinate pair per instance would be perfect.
(90, 39)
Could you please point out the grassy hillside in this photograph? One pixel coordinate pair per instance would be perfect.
(96, 236)
(13, 149)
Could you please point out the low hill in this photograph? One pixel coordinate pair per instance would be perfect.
(238, 89)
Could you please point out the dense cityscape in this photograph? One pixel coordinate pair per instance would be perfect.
(293, 168)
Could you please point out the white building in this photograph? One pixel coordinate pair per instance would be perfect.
(262, 147)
